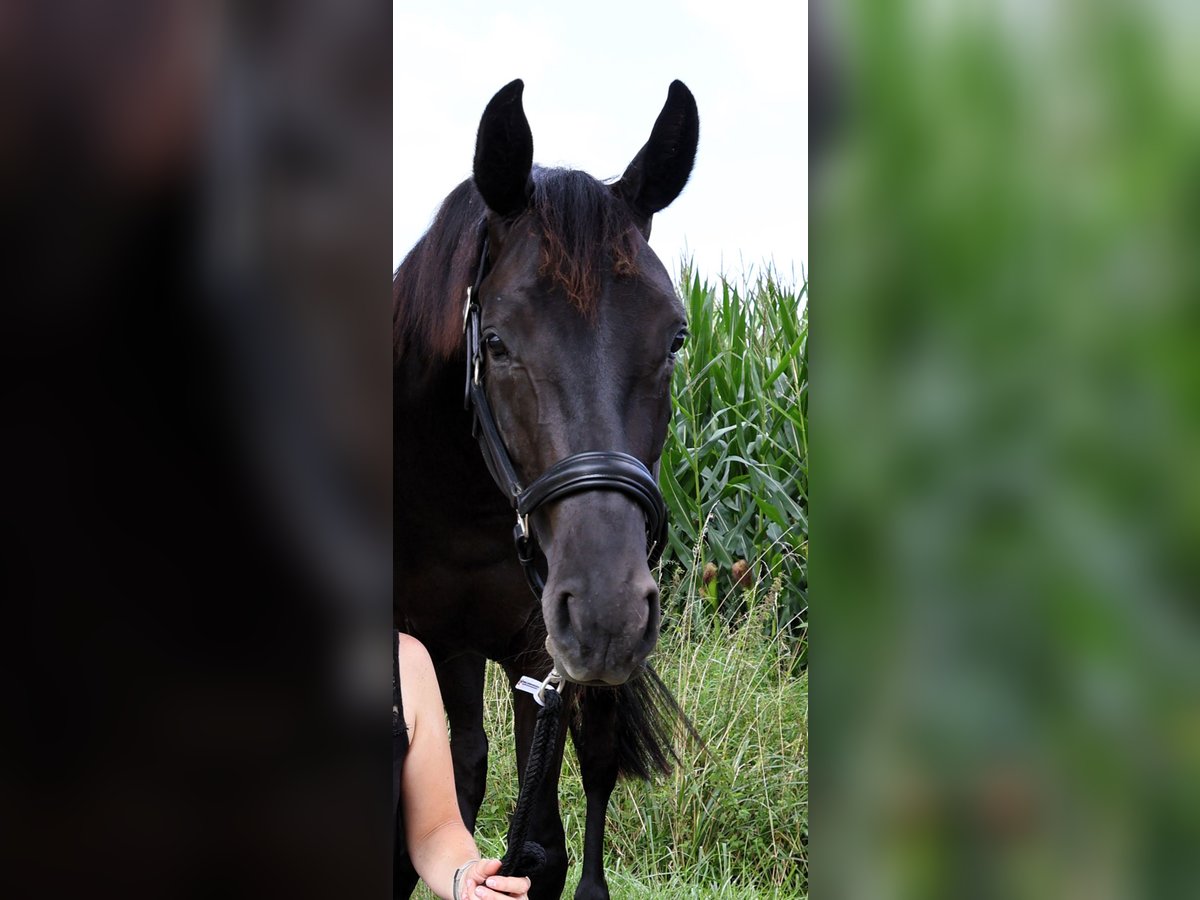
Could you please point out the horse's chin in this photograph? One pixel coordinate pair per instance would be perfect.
(599, 682)
(582, 676)
(609, 681)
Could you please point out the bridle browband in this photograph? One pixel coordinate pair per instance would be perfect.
(597, 470)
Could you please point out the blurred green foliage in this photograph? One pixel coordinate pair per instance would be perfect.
(1006, 235)
(735, 466)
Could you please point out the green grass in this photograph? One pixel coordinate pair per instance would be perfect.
(732, 820)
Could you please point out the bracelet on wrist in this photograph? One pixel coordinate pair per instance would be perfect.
(458, 876)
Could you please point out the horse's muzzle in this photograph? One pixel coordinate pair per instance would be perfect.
(601, 602)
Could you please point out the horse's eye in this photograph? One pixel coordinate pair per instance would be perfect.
(495, 345)
(678, 342)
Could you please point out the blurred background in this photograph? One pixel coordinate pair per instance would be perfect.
(197, 487)
(1005, 206)
(1005, 584)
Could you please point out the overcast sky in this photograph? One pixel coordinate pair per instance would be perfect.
(596, 76)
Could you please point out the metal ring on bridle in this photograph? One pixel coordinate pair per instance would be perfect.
(553, 681)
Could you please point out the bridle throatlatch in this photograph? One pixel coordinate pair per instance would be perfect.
(596, 470)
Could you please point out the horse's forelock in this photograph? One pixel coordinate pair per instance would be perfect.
(585, 231)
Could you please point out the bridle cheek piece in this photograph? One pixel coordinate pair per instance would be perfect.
(596, 470)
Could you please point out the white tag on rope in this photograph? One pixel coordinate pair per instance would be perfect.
(532, 687)
(538, 689)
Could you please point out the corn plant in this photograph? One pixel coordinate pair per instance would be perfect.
(735, 466)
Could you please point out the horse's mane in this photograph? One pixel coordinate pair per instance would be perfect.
(584, 228)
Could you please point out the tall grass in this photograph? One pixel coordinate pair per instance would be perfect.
(732, 820)
(735, 466)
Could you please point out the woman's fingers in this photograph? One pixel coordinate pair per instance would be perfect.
(484, 868)
(483, 882)
(475, 875)
(516, 885)
(497, 888)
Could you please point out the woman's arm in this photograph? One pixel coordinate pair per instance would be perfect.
(438, 841)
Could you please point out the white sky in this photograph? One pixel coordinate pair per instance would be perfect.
(596, 76)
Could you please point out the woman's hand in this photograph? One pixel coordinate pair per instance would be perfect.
(480, 882)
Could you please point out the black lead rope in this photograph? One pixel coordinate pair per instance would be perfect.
(525, 857)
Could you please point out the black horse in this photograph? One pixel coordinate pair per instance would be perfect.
(576, 325)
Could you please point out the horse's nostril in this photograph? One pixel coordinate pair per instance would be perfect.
(652, 601)
(650, 633)
(562, 613)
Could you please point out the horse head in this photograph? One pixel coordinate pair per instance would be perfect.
(579, 324)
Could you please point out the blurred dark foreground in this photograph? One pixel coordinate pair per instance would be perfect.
(1005, 413)
(196, 484)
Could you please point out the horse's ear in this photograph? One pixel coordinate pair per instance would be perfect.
(661, 168)
(504, 153)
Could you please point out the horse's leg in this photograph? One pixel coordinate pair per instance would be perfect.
(595, 738)
(545, 823)
(460, 678)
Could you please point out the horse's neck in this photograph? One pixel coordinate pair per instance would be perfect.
(439, 469)
(452, 538)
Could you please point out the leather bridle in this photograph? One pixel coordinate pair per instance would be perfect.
(597, 470)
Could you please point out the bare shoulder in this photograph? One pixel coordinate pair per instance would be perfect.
(412, 650)
(416, 668)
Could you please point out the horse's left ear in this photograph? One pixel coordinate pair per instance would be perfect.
(661, 168)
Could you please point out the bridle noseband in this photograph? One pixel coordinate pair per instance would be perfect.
(597, 470)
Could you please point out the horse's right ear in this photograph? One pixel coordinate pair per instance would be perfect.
(504, 153)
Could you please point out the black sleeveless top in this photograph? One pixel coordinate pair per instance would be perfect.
(400, 860)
